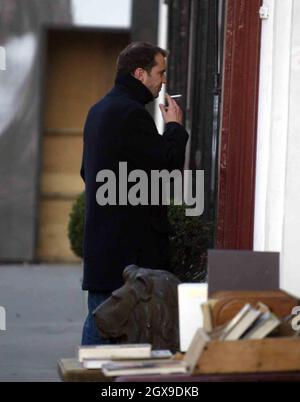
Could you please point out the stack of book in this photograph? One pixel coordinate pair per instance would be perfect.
(122, 355)
(93, 356)
(161, 366)
(126, 359)
(249, 323)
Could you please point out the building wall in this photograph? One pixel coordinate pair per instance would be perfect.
(22, 23)
(291, 223)
(95, 13)
(20, 27)
(277, 213)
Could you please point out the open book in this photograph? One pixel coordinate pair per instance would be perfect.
(164, 366)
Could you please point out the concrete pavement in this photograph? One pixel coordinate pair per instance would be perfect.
(45, 309)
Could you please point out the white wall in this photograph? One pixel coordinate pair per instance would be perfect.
(291, 226)
(102, 13)
(162, 42)
(277, 215)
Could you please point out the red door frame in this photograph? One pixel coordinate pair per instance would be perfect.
(235, 220)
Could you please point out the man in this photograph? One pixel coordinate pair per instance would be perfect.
(119, 129)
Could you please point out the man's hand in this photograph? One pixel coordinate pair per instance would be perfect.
(172, 112)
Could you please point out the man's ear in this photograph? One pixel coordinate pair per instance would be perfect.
(139, 74)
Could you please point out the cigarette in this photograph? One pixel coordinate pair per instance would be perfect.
(176, 96)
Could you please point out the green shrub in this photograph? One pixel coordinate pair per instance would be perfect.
(190, 237)
(76, 225)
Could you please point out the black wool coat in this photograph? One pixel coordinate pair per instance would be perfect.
(119, 128)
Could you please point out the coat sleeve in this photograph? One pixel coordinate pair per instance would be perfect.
(146, 149)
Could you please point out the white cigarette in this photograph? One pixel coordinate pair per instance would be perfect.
(176, 96)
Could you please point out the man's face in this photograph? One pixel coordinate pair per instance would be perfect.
(157, 76)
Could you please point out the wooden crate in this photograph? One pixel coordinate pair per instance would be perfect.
(228, 303)
(250, 356)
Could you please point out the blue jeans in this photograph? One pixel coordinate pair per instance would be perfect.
(90, 333)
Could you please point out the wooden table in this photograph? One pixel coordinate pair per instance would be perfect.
(70, 370)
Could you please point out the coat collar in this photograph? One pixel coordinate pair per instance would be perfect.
(138, 90)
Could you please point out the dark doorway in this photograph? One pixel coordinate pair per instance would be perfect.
(196, 30)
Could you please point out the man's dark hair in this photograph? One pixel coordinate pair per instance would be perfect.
(138, 54)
